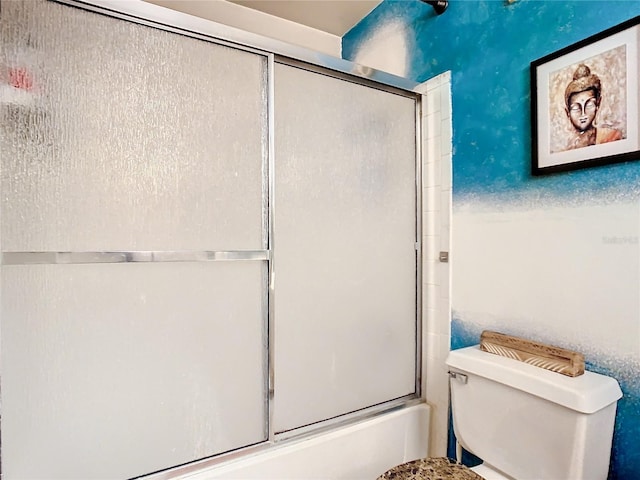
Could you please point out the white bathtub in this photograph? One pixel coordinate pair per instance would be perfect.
(360, 451)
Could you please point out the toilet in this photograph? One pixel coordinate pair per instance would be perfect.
(528, 423)
(523, 421)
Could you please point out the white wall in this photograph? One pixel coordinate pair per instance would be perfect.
(386, 49)
(557, 271)
(260, 23)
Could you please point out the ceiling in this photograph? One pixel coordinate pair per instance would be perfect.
(336, 17)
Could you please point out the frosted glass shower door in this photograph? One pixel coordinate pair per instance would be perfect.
(131, 156)
(344, 251)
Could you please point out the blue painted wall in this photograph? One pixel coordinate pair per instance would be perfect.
(488, 47)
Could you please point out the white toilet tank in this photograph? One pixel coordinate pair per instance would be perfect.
(531, 423)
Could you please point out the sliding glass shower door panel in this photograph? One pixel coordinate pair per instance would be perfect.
(124, 143)
(344, 251)
(120, 136)
(114, 371)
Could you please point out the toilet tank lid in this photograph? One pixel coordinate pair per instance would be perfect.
(586, 393)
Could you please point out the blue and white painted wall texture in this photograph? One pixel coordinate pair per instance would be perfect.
(554, 258)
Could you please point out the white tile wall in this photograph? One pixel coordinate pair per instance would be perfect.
(436, 221)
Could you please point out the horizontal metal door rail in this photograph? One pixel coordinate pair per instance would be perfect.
(52, 258)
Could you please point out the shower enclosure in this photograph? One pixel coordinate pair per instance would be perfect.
(206, 247)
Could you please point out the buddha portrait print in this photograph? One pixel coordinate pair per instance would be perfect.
(585, 102)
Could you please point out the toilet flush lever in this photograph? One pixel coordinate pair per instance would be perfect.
(461, 377)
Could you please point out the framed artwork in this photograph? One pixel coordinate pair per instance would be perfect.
(585, 102)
